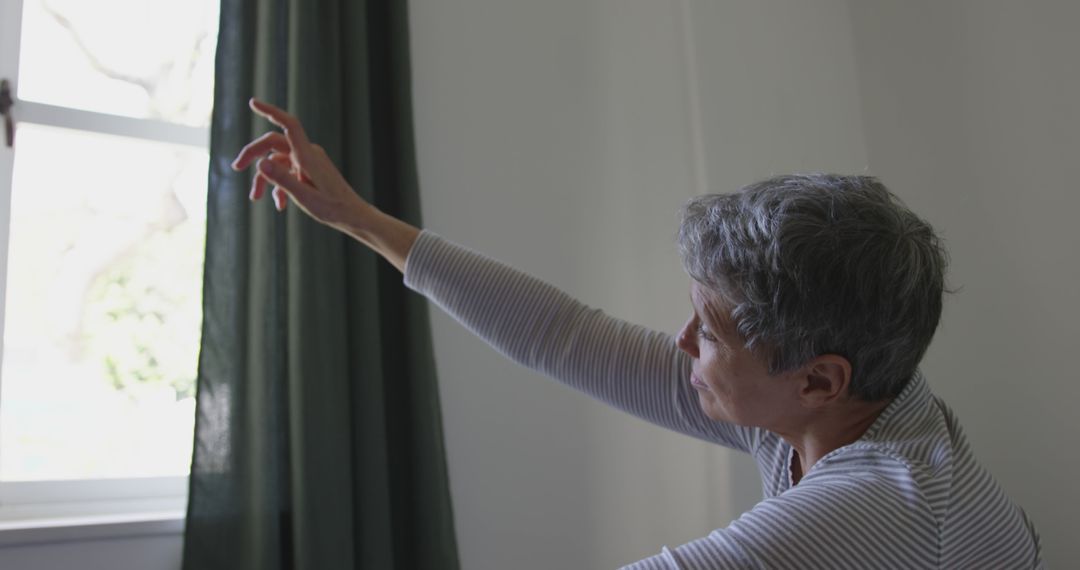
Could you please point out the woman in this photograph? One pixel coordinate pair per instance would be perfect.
(814, 298)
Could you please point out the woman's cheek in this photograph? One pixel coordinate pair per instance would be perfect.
(712, 361)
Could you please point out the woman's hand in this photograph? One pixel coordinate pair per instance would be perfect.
(299, 169)
(303, 171)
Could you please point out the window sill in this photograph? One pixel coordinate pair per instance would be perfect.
(19, 533)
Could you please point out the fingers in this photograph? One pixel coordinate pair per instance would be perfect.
(260, 182)
(278, 174)
(280, 200)
(258, 187)
(294, 131)
(259, 147)
(291, 153)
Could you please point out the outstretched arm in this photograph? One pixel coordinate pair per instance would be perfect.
(628, 366)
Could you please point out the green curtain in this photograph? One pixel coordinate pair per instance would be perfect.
(318, 441)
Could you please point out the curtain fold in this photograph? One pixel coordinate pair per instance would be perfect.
(318, 435)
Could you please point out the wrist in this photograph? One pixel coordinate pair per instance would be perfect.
(359, 221)
(383, 233)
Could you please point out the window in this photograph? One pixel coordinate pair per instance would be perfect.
(102, 229)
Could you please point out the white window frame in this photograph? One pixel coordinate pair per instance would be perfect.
(32, 505)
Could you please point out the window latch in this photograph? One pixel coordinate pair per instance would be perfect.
(6, 103)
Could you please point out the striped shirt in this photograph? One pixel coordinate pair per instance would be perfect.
(908, 494)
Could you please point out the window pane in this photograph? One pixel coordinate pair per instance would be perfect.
(104, 307)
(137, 58)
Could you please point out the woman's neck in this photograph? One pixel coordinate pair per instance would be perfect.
(828, 431)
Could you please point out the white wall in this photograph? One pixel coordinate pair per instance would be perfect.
(553, 135)
(972, 109)
(561, 137)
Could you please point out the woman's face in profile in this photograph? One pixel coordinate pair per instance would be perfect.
(733, 385)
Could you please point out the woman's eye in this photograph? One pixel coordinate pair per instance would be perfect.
(703, 333)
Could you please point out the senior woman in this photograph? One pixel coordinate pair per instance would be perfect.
(814, 298)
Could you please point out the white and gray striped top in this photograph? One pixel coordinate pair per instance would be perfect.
(908, 494)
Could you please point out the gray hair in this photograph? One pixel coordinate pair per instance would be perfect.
(818, 264)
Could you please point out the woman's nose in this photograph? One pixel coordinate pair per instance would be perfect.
(686, 340)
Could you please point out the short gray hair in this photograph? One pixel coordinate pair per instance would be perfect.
(818, 264)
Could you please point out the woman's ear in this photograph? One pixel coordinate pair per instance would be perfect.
(825, 380)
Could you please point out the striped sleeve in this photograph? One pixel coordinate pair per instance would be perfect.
(846, 519)
(628, 366)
